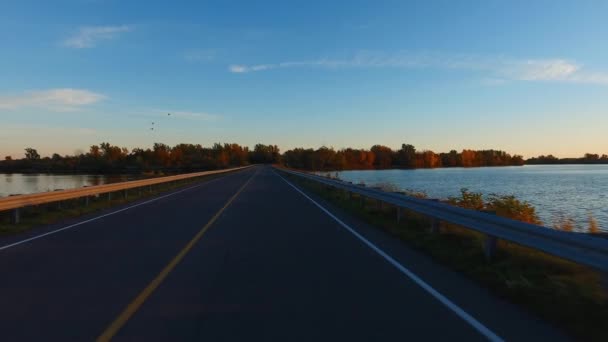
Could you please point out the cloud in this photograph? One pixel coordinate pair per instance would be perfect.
(89, 36)
(540, 70)
(364, 59)
(491, 67)
(239, 68)
(61, 99)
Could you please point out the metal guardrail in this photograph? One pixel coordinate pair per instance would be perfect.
(20, 201)
(577, 247)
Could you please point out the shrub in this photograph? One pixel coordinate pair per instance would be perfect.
(468, 200)
(593, 227)
(511, 207)
(564, 223)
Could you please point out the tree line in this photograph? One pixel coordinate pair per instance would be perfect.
(588, 158)
(108, 158)
(383, 157)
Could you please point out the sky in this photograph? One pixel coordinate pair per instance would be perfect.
(528, 77)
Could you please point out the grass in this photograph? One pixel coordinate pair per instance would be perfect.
(570, 296)
(36, 216)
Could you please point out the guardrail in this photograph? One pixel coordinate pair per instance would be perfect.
(20, 201)
(577, 247)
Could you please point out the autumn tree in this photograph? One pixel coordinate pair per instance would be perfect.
(384, 156)
(468, 158)
(95, 151)
(31, 154)
(406, 156)
(451, 159)
(265, 154)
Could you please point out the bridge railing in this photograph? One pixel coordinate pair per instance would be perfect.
(581, 248)
(15, 203)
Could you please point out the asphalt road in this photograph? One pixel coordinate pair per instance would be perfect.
(245, 257)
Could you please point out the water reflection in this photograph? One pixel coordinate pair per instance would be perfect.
(555, 190)
(15, 184)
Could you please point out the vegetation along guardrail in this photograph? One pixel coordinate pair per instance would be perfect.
(15, 203)
(581, 248)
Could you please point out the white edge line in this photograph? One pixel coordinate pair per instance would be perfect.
(482, 329)
(104, 215)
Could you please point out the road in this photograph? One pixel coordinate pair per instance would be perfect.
(244, 257)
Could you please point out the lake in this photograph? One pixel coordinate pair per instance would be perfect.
(554, 190)
(17, 183)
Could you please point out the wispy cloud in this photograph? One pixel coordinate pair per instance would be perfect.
(237, 69)
(62, 99)
(538, 70)
(497, 68)
(89, 36)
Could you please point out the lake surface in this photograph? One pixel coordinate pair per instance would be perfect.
(17, 183)
(554, 190)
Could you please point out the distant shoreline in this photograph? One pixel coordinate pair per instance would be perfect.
(156, 173)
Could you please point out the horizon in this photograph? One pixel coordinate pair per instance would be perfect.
(82, 151)
(305, 74)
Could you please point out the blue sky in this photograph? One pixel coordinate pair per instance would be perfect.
(529, 77)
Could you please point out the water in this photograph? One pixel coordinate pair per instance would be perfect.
(17, 183)
(554, 190)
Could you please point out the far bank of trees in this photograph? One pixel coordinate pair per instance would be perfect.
(108, 158)
(588, 158)
(383, 157)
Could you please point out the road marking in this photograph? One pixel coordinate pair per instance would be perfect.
(132, 308)
(482, 329)
(104, 215)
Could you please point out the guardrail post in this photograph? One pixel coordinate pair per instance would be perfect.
(489, 246)
(16, 217)
(490, 242)
(435, 223)
(86, 201)
(109, 197)
(125, 194)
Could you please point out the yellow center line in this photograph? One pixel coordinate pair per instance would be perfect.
(132, 308)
